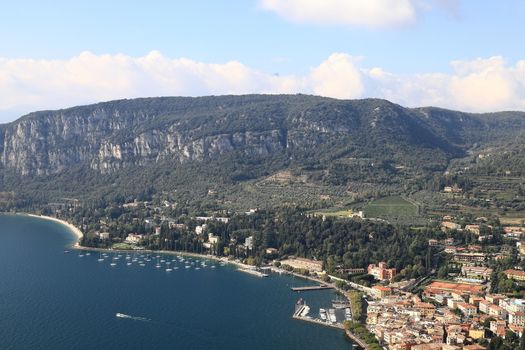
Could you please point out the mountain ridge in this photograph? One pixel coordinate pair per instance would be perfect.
(339, 139)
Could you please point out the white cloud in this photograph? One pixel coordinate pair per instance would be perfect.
(360, 13)
(26, 85)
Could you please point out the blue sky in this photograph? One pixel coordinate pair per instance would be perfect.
(406, 57)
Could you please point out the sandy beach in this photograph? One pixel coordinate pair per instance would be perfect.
(72, 228)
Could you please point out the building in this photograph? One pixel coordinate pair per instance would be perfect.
(470, 257)
(442, 287)
(517, 318)
(517, 275)
(476, 272)
(133, 238)
(248, 243)
(200, 229)
(213, 239)
(467, 309)
(497, 311)
(449, 225)
(381, 272)
(476, 332)
(472, 229)
(381, 291)
(498, 327)
(102, 235)
(271, 251)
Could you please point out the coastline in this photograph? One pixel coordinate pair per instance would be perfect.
(72, 228)
(240, 266)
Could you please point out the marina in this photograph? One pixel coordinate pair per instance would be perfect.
(327, 317)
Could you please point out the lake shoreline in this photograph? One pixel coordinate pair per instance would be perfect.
(78, 234)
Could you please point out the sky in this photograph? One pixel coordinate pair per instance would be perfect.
(459, 54)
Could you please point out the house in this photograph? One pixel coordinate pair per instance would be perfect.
(248, 243)
(271, 251)
(381, 272)
(381, 291)
(497, 311)
(102, 235)
(213, 239)
(498, 327)
(476, 332)
(467, 309)
(433, 242)
(199, 229)
(425, 309)
(449, 225)
(133, 238)
(517, 275)
(472, 229)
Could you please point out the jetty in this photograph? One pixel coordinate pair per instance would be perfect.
(253, 272)
(311, 288)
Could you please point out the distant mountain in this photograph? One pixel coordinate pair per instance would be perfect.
(164, 143)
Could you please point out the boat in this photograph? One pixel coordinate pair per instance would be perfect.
(322, 313)
(128, 263)
(142, 264)
(305, 311)
(88, 254)
(331, 315)
(187, 266)
(118, 314)
(169, 270)
(113, 264)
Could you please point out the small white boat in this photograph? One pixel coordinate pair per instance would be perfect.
(113, 264)
(169, 270)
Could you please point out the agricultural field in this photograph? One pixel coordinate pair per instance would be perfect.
(388, 207)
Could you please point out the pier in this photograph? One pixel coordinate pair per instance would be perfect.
(311, 288)
(254, 272)
(318, 321)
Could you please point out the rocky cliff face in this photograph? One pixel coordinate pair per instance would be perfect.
(115, 135)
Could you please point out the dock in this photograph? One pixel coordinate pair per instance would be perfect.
(311, 288)
(254, 272)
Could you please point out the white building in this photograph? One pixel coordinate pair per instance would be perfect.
(200, 229)
(248, 242)
(133, 238)
(213, 239)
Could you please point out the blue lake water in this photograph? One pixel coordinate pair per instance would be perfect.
(55, 300)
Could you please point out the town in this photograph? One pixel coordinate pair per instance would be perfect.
(468, 293)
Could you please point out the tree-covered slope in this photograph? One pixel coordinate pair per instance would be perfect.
(171, 143)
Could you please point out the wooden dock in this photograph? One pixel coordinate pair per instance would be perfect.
(311, 288)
